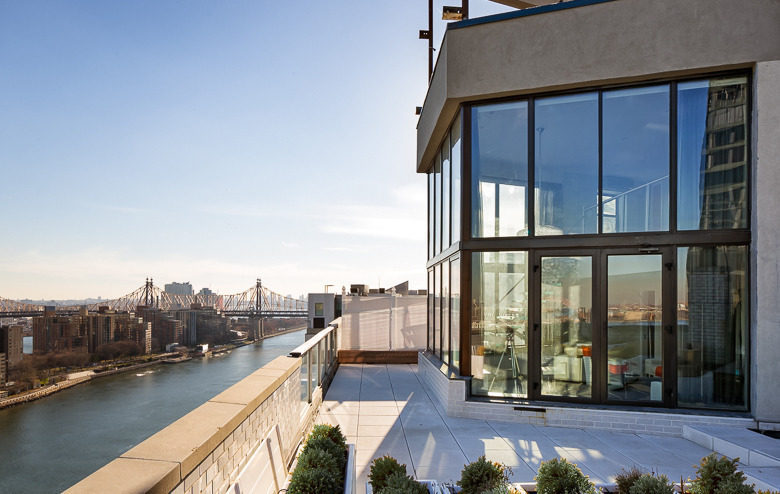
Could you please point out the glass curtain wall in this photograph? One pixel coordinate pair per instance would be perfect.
(445, 193)
(712, 322)
(455, 162)
(712, 154)
(455, 313)
(445, 312)
(635, 195)
(566, 156)
(499, 324)
(499, 167)
(431, 308)
(431, 215)
(437, 310)
(437, 205)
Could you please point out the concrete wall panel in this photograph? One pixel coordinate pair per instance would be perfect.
(765, 327)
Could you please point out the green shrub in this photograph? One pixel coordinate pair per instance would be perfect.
(314, 481)
(381, 469)
(626, 478)
(312, 458)
(332, 432)
(482, 475)
(400, 483)
(650, 484)
(558, 476)
(719, 475)
(328, 446)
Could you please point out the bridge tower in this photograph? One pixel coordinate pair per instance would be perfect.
(259, 308)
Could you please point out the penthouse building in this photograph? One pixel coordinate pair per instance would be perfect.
(603, 216)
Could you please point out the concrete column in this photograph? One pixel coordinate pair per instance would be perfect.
(765, 250)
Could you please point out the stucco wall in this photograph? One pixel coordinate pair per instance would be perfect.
(619, 41)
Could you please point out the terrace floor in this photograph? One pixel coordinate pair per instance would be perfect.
(385, 409)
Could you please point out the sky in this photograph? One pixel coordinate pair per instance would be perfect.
(211, 142)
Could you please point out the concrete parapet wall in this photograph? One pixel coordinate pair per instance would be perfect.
(206, 449)
(450, 397)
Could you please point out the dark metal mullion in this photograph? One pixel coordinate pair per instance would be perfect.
(673, 157)
(465, 315)
(531, 136)
(534, 330)
(465, 234)
(599, 372)
(600, 198)
(669, 322)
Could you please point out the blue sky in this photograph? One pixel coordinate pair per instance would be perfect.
(210, 142)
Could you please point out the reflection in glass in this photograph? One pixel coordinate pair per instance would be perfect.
(499, 324)
(455, 313)
(445, 193)
(437, 309)
(567, 164)
(567, 341)
(431, 215)
(499, 164)
(634, 347)
(445, 312)
(315, 366)
(456, 181)
(430, 309)
(437, 206)
(712, 154)
(712, 327)
(305, 378)
(635, 197)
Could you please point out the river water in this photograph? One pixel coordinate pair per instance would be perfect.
(50, 444)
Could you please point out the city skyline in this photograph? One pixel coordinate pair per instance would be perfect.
(213, 143)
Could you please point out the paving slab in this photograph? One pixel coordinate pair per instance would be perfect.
(385, 409)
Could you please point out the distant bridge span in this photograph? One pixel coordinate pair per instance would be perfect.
(257, 301)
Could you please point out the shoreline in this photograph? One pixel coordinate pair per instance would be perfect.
(43, 392)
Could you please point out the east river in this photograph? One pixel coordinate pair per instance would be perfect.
(50, 444)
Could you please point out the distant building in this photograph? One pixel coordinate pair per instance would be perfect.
(205, 292)
(323, 308)
(179, 288)
(3, 369)
(108, 326)
(165, 329)
(11, 343)
(56, 333)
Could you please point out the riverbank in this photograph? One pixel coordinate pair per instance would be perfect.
(45, 391)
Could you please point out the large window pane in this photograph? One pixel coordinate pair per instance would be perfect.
(499, 164)
(499, 324)
(712, 326)
(437, 309)
(455, 313)
(431, 215)
(437, 205)
(455, 161)
(431, 306)
(445, 312)
(567, 164)
(712, 154)
(445, 193)
(567, 331)
(634, 335)
(635, 197)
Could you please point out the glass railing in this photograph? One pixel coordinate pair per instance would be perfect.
(318, 360)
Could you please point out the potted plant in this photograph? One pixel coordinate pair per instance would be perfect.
(326, 464)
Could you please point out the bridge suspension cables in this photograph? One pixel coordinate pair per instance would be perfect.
(256, 301)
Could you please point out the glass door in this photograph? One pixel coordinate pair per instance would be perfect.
(634, 326)
(564, 325)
